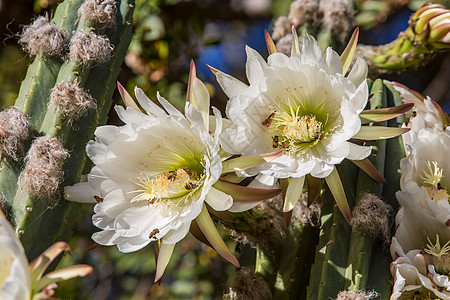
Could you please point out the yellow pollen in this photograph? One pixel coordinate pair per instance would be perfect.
(435, 249)
(168, 185)
(304, 129)
(294, 130)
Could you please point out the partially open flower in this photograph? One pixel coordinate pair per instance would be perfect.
(421, 244)
(305, 106)
(20, 281)
(154, 176)
(414, 274)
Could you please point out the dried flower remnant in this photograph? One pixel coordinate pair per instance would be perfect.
(248, 285)
(337, 18)
(90, 48)
(43, 171)
(281, 28)
(43, 37)
(302, 11)
(371, 217)
(267, 226)
(102, 12)
(71, 100)
(15, 130)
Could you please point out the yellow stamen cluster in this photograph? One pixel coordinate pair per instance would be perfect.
(293, 130)
(440, 257)
(435, 249)
(434, 174)
(166, 186)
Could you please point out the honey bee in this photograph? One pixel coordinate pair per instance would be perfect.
(172, 175)
(153, 233)
(318, 136)
(98, 199)
(189, 172)
(268, 121)
(276, 142)
(190, 186)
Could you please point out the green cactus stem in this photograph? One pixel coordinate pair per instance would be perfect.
(41, 76)
(427, 35)
(380, 275)
(295, 261)
(359, 255)
(397, 56)
(40, 223)
(34, 93)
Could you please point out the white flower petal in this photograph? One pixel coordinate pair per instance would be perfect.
(201, 97)
(230, 85)
(359, 72)
(176, 235)
(358, 152)
(171, 110)
(255, 66)
(311, 49)
(81, 192)
(17, 285)
(218, 200)
(147, 104)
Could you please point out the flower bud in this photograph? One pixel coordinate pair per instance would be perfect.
(431, 25)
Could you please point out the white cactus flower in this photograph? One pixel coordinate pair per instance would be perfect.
(421, 244)
(305, 105)
(154, 175)
(22, 281)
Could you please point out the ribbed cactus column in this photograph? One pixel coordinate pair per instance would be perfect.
(41, 76)
(78, 97)
(362, 240)
(357, 258)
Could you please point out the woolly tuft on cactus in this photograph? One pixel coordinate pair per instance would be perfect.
(97, 12)
(43, 37)
(90, 48)
(71, 100)
(371, 217)
(43, 171)
(15, 130)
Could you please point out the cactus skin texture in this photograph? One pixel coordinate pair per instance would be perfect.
(358, 263)
(345, 259)
(38, 223)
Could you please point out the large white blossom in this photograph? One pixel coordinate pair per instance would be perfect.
(154, 176)
(302, 105)
(151, 176)
(308, 107)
